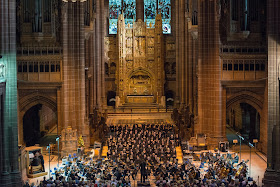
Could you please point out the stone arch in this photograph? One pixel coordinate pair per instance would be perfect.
(132, 72)
(27, 102)
(256, 102)
(140, 75)
(246, 97)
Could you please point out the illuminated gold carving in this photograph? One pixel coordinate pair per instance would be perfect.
(140, 70)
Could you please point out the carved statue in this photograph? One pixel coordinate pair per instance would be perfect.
(184, 120)
(81, 142)
(2, 71)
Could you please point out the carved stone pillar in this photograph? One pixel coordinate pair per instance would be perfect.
(140, 9)
(272, 174)
(9, 168)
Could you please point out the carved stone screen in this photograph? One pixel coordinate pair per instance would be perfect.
(140, 74)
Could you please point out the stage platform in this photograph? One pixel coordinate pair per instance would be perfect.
(139, 117)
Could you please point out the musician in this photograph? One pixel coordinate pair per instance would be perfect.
(143, 171)
(41, 158)
(236, 159)
(36, 160)
(242, 163)
(222, 147)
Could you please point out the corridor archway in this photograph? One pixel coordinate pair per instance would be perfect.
(38, 121)
(245, 114)
(36, 106)
(245, 119)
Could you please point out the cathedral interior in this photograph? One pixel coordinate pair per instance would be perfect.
(78, 66)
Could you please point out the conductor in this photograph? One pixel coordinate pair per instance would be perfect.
(143, 171)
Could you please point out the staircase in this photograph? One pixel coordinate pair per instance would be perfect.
(179, 155)
(139, 116)
(140, 106)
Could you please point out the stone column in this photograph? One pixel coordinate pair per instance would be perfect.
(140, 9)
(182, 51)
(73, 91)
(92, 72)
(224, 110)
(272, 174)
(177, 99)
(194, 76)
(98, 59)
(188, 68)
(9, 171)
(65, 69)
(209, 73)
(58, 100)
(103, 31)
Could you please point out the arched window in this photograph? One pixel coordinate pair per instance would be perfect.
(150, 11)
(128, 7)
(115, 7)
(129, 10)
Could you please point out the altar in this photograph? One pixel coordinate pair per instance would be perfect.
(140, 99)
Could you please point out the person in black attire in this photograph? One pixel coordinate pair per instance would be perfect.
(143, 171)
(42, 161)
(44, 181)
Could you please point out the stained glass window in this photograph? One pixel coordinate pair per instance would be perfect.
(129, 10)
(114, 11)
(128, 7)
(164, 7)
(150, 10)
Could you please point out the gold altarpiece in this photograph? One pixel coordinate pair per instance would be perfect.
(140, 73)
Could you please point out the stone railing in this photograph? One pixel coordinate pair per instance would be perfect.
(34, 50)
(40, 71)
(244, 69)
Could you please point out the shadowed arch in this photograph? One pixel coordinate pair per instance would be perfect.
(246, 97)
(29, 101)
(132, 72)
